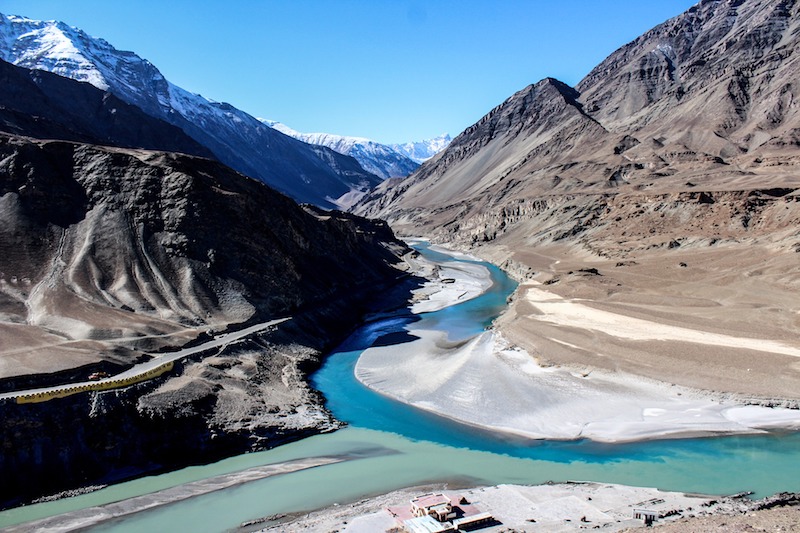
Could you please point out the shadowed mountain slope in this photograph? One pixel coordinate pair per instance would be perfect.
(233, 136)
(39, 104)
(99, 243)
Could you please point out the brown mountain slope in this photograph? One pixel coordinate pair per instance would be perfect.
(101, 244)
(724, 70)
(671, 170)
(109, 254)
(542, 128)
(707, 98)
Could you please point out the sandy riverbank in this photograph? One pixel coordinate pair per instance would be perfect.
(720, 318)
(449, 283)
(562, 507)
(490, 383)
(487, 383)
(95, 516)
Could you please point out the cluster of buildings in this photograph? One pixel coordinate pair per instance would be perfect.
(451, 512)
(437, 513)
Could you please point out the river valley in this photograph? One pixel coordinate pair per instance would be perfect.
(389, 445)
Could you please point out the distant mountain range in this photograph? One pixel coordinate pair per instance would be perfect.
(380, 159)
(315, 175)
(421, 151)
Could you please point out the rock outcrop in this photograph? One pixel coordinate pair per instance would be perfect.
(110, 254)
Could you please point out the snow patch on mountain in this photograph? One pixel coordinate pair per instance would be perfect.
(421, 151)
(236, 138)
(380, 159)
(46, 46)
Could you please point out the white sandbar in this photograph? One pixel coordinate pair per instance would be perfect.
(484, 382)
(450, 282)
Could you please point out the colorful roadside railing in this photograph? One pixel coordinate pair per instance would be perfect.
(106, 384)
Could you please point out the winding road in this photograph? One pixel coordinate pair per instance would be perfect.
(140, 372)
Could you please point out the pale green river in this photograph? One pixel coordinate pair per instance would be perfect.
(393, 446)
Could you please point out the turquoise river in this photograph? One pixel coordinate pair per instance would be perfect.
(391, 445)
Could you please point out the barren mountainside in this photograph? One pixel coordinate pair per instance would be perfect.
(108, 255)
(664, 186)
(99, 243)
(705, 102)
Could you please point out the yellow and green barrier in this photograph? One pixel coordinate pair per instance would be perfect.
(44, 396)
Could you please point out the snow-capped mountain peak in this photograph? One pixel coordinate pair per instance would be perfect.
(70, 52)
(51, 46)
(286, 130)
(235, 137)
(421, 151)
(380, 159)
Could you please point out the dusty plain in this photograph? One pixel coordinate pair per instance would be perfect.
(723, 319)
(564, 507)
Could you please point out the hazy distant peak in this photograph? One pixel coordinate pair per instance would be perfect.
(421, 151)
(291, 132)
(280, 126)
(380, 159)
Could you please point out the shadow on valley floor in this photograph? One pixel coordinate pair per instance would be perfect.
(113, 438)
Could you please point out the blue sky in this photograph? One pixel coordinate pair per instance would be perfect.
(389, 70)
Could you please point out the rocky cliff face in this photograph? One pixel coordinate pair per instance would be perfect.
(724, 68)
(107, 253)
(704, 102)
